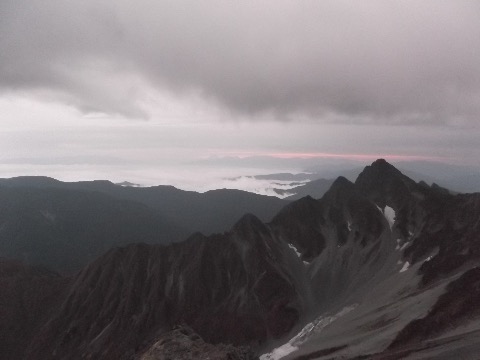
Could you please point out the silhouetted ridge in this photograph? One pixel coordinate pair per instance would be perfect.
(305, 208)
(341, 190)
(380, 174)
(385, 185)
(249, 223)
(342, 182)
(384, 165)
(65, 225)
(33, 181)
(439, 189)
(97, 185)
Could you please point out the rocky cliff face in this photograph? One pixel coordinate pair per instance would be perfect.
(231, 288)
(356, 274)
(417, 299)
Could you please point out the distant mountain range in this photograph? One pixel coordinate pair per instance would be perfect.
(380, 268)
(66, 225)
(315, 182)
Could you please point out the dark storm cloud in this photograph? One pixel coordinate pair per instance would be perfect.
(396, 61)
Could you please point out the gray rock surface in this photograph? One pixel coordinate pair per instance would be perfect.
(182, 343)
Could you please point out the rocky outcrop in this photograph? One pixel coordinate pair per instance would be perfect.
(182, 343)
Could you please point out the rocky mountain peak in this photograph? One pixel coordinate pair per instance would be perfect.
(35, 181)
(249, 223)
(382, 163)
(379, 171)
(341, 182)
(340, 190)
(385, 185)
(303, 208)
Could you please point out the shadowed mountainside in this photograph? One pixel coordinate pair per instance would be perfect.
(209, 212)
(66, 229)
(66, 225)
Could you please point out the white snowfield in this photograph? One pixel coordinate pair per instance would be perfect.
(308, 330)
(389, 214)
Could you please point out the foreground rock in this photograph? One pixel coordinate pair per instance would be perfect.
(183, 343)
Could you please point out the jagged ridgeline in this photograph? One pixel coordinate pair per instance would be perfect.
(383, 268)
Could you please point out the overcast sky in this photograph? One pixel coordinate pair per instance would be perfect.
(165, 91)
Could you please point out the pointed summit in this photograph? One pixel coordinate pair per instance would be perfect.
(342, 183)
(379, 173)
(341, 190)
(250, 224)
(380, 168)
(384, 183)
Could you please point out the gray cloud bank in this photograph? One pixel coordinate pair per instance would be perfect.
(365, 61)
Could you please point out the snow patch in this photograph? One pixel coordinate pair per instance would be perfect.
(349, 224)
(405, 266)
(279, 352)
(389, 214)
(291, 246)
(404, 246)
(308, 330)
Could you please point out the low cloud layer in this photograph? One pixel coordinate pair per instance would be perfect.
(369, 61)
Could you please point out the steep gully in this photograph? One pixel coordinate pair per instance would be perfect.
(381, 268)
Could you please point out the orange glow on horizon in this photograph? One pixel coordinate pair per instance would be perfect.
(322, 155)
(360, 157)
